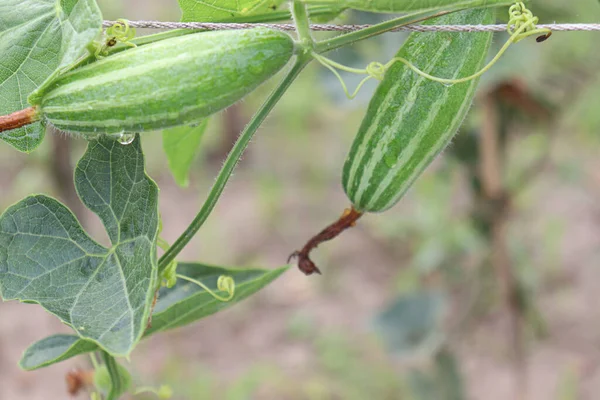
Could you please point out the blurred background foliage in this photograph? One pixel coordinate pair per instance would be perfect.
(480, 284)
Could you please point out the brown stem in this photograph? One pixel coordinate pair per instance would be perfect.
(347, 220)
(18, 119)
(494, 191)
(78, 379)
(154, 300)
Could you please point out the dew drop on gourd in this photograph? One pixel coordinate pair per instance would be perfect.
(126, 138)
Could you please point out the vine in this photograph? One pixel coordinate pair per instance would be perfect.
(521, 25)
(112, 182)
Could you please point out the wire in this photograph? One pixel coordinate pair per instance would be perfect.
(212, 26)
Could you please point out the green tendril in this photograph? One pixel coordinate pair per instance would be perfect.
(522, 24)
(333, 67)
(224, 283)
(169, 276)
(119, 32)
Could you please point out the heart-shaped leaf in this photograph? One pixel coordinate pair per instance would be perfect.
(47, 258)
(181, 145)
(183, 304)
(54, 349)
(36, 38)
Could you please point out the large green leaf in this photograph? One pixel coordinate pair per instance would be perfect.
(249, 11)
(54, 349)
(36, 38)
(181, 145)
(398, 6)
(225, 10)
(186, 302)
(47, 258)
(183, 304)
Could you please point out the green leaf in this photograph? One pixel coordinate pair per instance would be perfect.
(186, 302)
(252, 11)
(183, 304)
(47, 258)
(36, 38)
(397, 6)
(411, 322)
(181, 145)
(54, 349)
(225, 10)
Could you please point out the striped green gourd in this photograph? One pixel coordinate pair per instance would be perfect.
(411, 119)
(164, 84)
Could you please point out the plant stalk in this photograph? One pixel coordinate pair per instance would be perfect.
(115, 377)
(18, 119)
(386, 26)
(302, 24)
(230, 164)
(353, 37)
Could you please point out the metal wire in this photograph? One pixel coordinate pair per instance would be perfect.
(211, 26)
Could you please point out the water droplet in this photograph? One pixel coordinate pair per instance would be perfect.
(125, 138)
(448, 84)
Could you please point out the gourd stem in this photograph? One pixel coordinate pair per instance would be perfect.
(230, 164)
(115, 377)
(346, 221)
(302, 24)
(18, 119)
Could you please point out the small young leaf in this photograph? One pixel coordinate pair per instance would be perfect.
(47, 258)
(54, 349)
(181, 145)
(36, 38)
(186, 302)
